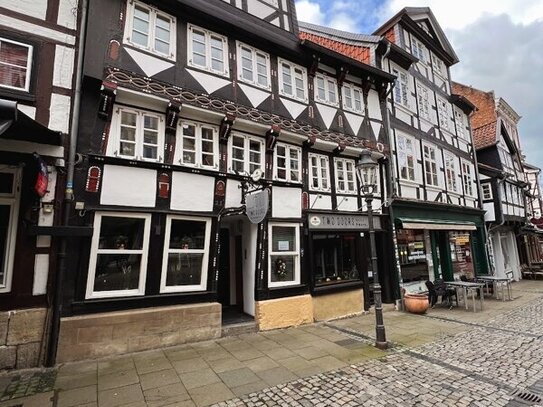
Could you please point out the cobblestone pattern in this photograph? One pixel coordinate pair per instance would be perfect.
(28, 383)
(485, 366)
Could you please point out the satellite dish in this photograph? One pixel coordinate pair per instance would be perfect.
(257, 175)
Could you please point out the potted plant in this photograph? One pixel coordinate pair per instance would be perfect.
(415, 303)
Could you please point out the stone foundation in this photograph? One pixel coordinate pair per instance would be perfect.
(337, 305)
(21, 335)
(284, 312)
(114, 333)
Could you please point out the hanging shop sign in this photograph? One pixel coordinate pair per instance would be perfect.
(343, 222)
(256, 205)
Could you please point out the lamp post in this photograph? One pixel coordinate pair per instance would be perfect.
(367, 174)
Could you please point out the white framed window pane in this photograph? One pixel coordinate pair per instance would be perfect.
(14, 64)
(284, 239)
(321, 92)
(357, 101)
(283, 268)
(198, 48)
(217, 54)
(287, 79)
(184, 269)
(187, 234)
(140, 26)
(246, 64)
(189, 144)
(294, 165)
(262, 69)
(324, 173)
(299, 80)
(116, 272)
(331, 92)
(5, 214)
(281, 162)
(255, 155)
(120, 233)
(347, 97)
(208, 147)
(238, 153)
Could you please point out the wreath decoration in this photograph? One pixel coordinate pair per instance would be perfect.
(280, 269)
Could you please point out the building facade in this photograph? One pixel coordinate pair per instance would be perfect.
(534, 237)
(37, 53)
(186, 109)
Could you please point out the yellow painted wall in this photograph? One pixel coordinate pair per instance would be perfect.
(338, 305)
(284, 312)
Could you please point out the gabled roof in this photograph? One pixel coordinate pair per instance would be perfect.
(435, 38)
(484, 136)
(356, 52)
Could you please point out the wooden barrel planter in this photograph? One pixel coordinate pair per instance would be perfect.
(416, 303)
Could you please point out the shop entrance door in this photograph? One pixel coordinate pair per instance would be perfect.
(441, 255)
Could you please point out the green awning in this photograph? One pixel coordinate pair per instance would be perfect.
(435, 224)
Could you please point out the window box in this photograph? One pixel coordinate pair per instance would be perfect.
(150, 29)
(345, 175)
(9, 214)
(198, 145)
(326, 90)
(253, 66)
(286, 163)
(186, 253)
(246, 154)
(207, 50)
(284, 254)
(292, 80)
(15, 65)
(118, 259)
(319, 173)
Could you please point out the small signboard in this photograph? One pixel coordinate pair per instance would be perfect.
(256, 205)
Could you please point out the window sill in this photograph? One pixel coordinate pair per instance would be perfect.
(293, 98)
(150, 52)
(208, 70)
(19, 95)
(337, 286)
(325, 102)
(254, 85)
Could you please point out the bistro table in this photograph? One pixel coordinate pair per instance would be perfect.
(495, 280)
(468, 285)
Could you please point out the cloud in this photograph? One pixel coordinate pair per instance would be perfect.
(310, 12)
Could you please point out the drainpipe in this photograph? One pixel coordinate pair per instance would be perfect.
(68, 192)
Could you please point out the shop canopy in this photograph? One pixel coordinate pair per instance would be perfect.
(15, 125)
(436, 224)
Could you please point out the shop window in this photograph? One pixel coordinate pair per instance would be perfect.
(199, 145)
(118, 260)
(352, 98)
(319, 173)
(15, 65)
(186, 253)
(284, 257)
(326, 89)
(253, 66)
(150, 29)
(9, 209)
(287, 163)
(208, 50)
(345, 175)
(460, 244)
(412, 255)
(137, 134)
(406, 157)
(334, 258)
(246, 154)
(292, 80)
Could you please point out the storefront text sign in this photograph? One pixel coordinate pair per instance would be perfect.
(257, 205)
(344, 222)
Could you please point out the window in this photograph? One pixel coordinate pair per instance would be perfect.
(352, 98)
(15, 65)
(9, 210)
(292, 80)
(424, 101)
(208, 50)
(461, 130)
(150, 29)
(345, 175)
(450, 172)
(284, 258)
(253, 66)
(118, 259)
(334, 258)
(418, 50)
(139, 134)
(326, 89)
(246, 154)
(467, 177)
(287, 163)
(430, 165)
(443, 112)
(199, 146)
(406, 158)
(401, 88)
(439, 66)
(186, 254)
(319, 173)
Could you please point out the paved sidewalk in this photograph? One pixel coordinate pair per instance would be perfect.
(214, 371)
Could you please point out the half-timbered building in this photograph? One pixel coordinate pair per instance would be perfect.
(435, 207)
(503, 183)
(37, 49)
(187, 106)
(534, 206)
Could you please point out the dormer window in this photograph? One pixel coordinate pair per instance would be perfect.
(326, 90)
(150, 29)
(208, 51)
(15, 65)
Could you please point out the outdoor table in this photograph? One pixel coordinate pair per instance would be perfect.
(506, 281)
(466, 285)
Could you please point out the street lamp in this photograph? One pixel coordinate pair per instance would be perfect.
(366, 168)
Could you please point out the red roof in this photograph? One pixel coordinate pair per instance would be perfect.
(484, 136)
(358, 53)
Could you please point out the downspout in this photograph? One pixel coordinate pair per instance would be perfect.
(68, 192)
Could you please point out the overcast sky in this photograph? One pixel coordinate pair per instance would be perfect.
(499, 44)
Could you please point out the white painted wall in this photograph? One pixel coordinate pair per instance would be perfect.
(67, 13)
(192, 192)
(64, 66)
(249, 260)
(59, 118)
(41, 273)
(286, 202)
(128, 186)
(233, 194)
(33, 8)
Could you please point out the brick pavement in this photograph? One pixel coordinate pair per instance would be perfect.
(449, 357)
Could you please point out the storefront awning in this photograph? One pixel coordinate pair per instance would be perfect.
(436, 224)
(15, 125)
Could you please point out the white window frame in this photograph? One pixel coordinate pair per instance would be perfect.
(423, 99)
(412, 154)
(296, 253)
(431, 164)
(288, 163)
(486, 191)
(439, 67)
(444, 114)
(400, 95)
(451, 173)
(207, 38)
(153, 14)
(254, 65)
(205, 260)
(115, 134)
(12, 200)
(461, 130)
(198, 141)
(330, 88)
(349, 91)
(28, 68)
(467, 177)
(319, 176)
(95, 251)
(295, 72)
(418, 50)
(345, 163)
(246, 152)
